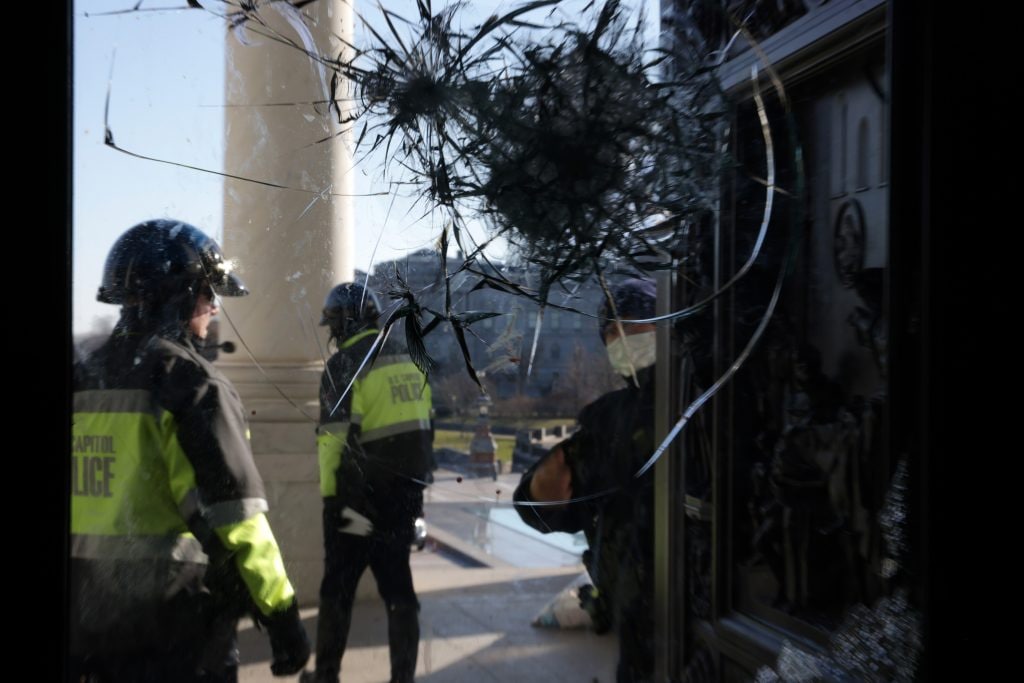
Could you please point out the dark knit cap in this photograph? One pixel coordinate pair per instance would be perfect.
(634, 298)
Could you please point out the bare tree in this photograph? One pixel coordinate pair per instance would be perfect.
(587, 377)
(455, 394)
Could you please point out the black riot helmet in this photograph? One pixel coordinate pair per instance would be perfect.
(348, 309)
(160, 267)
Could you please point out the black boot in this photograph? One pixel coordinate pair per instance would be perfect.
(317, 677)
(331, 635)
(403, 641)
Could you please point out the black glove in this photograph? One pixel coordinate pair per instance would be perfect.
(594, 604)
(288, 640)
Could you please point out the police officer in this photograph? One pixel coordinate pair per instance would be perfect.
(170, 544)
(614, 439)
(375, 441)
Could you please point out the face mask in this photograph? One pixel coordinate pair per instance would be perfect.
(640, 348)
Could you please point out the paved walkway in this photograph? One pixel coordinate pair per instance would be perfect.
(483, 577)
(475, 625)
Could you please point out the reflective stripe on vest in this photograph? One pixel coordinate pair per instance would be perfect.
(234, 511)
(183, 548)
(368, 435)
(115, 401)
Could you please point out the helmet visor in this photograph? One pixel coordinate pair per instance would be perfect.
(229, 284)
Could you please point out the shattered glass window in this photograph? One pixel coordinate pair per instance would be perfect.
(525, 201)
(327, 142)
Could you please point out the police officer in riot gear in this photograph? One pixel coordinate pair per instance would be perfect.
(170, 544)
(375, 441)
(614, 439)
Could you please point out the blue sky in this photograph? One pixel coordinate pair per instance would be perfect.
(166, 67)
(166, 72)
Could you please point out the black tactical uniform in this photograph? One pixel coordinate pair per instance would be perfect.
(169, 541)
(375, 439)
(614, 439)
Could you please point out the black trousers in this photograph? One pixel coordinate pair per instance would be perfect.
(386, 552)
(635, 628)
(190, 637)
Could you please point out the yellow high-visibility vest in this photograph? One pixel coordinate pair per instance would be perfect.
(389, 399)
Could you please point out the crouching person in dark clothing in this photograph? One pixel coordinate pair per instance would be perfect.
(597, 464)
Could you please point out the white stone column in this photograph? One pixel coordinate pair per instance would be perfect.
(291, 246)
